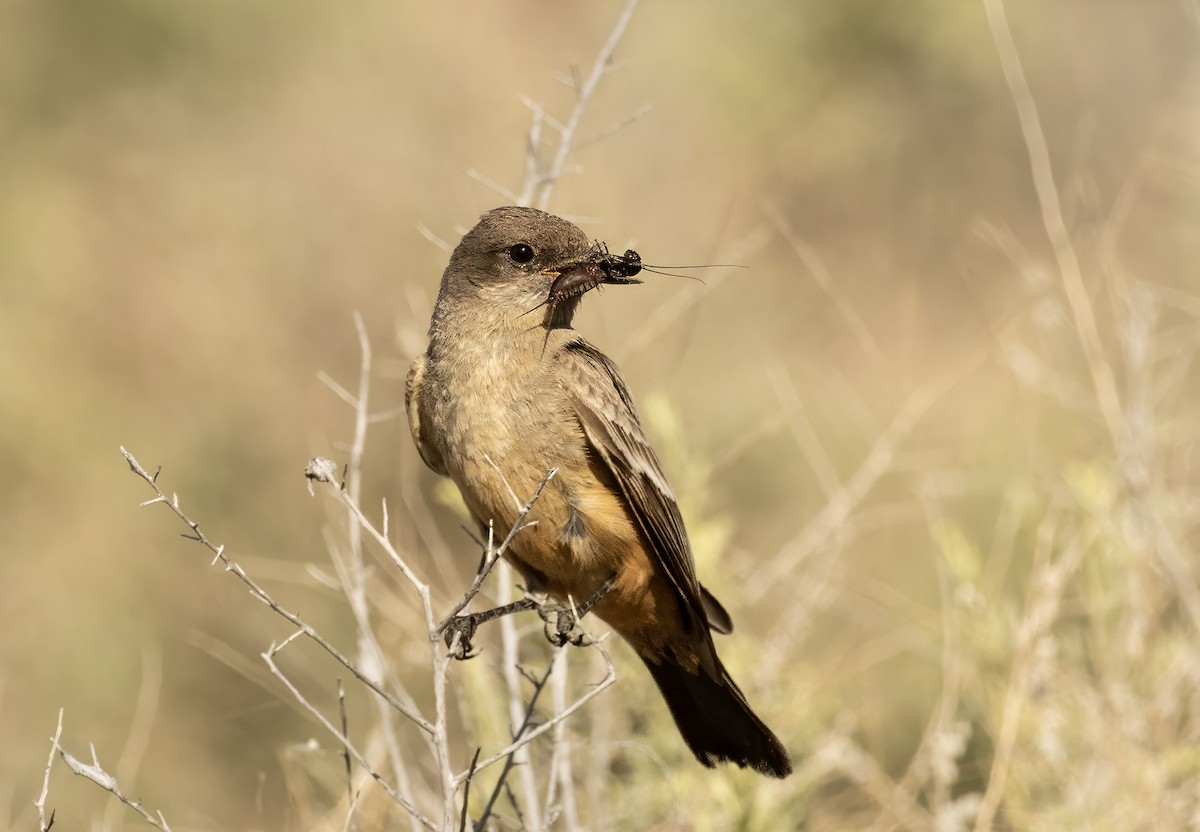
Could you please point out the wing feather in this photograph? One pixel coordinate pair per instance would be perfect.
(605, 411)
(413, 388)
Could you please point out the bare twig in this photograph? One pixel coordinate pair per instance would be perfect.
(634, 117)
(428, 234)
(352, 573)
(495, 187)
(517, 714)
(559, 789)
(262, 595)
(539, 185)
(341, 691)
(96, 773)
(44, 824)
(462, 823)
(610, 676)
(269, 658)
(526, 721)
(351, 823)
(533, 143)
(338, 390)
(438, 662)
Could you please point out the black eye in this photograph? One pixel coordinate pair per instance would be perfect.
(521, 253)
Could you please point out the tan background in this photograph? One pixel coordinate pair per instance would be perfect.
(194, 196)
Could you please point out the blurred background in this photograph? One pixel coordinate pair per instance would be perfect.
(964, 581)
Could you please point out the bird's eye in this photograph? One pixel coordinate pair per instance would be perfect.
(521, 253)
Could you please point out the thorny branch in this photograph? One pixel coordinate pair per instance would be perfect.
(261, 594)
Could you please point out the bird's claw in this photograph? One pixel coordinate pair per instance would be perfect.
(458, 635)
(562, 620)
(560, 626)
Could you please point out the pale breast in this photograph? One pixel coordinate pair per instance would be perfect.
(505, 425)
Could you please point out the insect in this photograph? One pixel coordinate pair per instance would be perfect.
(596, 269)
(580, 278)
(625, 265)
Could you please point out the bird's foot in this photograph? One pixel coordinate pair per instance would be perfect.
(561, 620)
(458, 634)
(459, 630)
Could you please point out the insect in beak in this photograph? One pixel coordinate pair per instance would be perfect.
(582, 276)
(579, 277)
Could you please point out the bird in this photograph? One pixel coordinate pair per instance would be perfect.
(506, 391)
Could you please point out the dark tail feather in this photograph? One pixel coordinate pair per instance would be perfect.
(716, 722)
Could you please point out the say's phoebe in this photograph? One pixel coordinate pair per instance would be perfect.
(508, 390)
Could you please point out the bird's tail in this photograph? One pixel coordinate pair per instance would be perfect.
(715, 720)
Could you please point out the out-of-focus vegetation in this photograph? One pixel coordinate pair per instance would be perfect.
(965, 595)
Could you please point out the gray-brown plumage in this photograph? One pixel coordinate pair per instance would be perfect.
(506, 391)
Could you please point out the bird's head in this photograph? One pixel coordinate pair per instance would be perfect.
(520, 260)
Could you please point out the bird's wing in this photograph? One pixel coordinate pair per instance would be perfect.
(605, 411)
(412, 403)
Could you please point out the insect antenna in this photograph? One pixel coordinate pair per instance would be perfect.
(546, 302)
(670, 271)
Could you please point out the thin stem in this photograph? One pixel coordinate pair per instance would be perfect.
(610, 676)
(517, 714)
(95, 772)
(502, 782)
(544, 184)
(1056, 228)
(269, 658)
(262, 595)
(43, 824)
